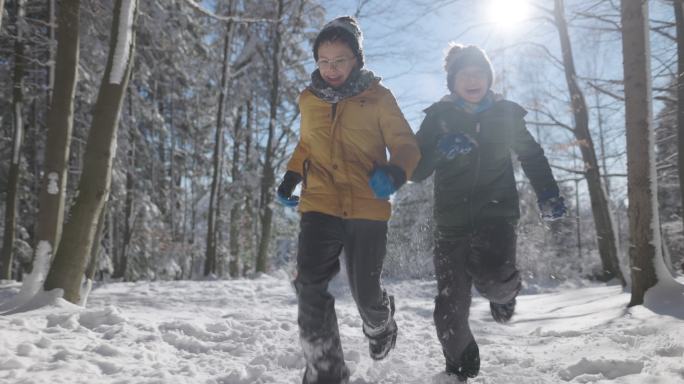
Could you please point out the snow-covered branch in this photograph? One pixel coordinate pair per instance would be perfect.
(239, 19)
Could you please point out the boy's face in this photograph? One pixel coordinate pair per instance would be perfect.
(335, 62)
(471, 83)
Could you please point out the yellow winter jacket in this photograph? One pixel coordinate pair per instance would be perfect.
(339, 145)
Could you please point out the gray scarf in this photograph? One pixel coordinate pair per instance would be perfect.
(359, 80)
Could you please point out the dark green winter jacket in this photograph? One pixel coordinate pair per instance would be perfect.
(480, 186)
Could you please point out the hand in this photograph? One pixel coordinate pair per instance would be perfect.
(284, 194)
(386, 179)
(453, 144)
(552, 208)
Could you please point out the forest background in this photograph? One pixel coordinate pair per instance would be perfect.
(204, 115)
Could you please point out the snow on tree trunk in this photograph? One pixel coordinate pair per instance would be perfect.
(599, 204)
(67, 270)
(60, 121)
(33, 281)
(645, 249)
(6, 254)
(124, 42)
(2, 8)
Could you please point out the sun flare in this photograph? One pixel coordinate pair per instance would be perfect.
(507, 13)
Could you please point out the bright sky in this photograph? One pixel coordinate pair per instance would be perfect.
(407, 50)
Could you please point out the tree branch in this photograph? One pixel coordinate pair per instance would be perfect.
(570, 170)
(238, 19)
(606, 92)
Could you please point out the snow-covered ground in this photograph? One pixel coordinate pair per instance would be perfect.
(245, 331)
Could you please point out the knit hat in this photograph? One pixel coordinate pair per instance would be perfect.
(346, 29)
(461, 56)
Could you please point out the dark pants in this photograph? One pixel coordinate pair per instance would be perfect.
(321, 239)
(484, 257)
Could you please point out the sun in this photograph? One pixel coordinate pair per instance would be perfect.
(508, 13)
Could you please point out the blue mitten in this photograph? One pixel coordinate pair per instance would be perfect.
(551, 207)
(386, 179)
(284, 194)
(453, 144)
(291, 201)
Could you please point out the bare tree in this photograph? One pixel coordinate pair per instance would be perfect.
(60, 124)
(67, 270)
(230, 71)
(235, 214)
(210, 261)
(599, 203)
(645, 247)
(6, 254)
(121, 260)
(679, 83)
(268, 176)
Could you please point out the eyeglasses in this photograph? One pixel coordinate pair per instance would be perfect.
(341, 64)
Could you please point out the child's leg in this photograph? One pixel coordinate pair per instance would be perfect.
(452, 305)
(320, 244)
(364, 248)
(365, 244)
(492, 261)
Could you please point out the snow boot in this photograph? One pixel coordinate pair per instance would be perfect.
(469, 365)
(379, 345)
(502, 313)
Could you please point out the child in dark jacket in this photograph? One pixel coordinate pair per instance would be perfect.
(466, 139)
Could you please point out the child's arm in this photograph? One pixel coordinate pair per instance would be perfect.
(427, 137)
(534, 162)
(296, 162)
(398, 136)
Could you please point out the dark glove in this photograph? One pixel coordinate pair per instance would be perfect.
(551, 206)
(453, 144)
(386, 179)
(284, 195)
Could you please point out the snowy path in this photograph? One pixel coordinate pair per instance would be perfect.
(239, 332)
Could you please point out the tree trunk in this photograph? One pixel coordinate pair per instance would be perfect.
(60, 121)
(172, 174)
(235, 214)
(679, 81)
(599, 204)
(602, 145)
(249, 239)
(268, 177)
(2, 8)
(210, 261)
(70, 260)
(129, 222)
(641, 174)
(7, 252)
(121, 258)
(52, 39)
